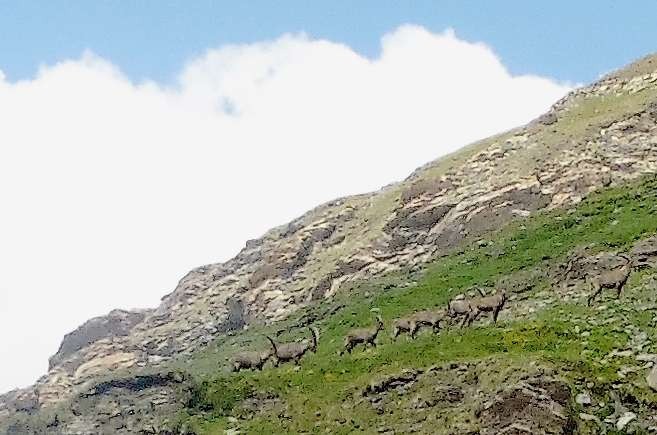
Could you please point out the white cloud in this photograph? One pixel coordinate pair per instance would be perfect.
(112, 190)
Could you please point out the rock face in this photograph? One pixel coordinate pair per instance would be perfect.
(118, 323)
(104, 409)
(526, 400)
(153, 397)
(644, 253)
(538, 406)
(596, 136)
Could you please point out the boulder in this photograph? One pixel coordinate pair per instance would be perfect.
(651, 379)
(624, 420)
(118, 323)
(583, 399)
(526, 408)
(644, 252)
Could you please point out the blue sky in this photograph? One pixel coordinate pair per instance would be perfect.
(574, 41)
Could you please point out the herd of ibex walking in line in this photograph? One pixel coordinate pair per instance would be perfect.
(467, 309)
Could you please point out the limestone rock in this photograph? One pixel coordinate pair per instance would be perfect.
(392, 382)
(527, 408)
(624, 420)
(118, 323)
(644, 252)
(588, 417)
(583, 399)
(651, 379)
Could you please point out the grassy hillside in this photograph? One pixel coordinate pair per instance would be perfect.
(544, 327)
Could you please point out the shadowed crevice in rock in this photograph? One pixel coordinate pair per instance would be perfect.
(137, 383)
(323, 286)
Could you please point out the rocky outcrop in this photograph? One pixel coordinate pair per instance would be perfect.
(582, 265)
(485, 396)
(141, 404)
(536, 406)
(118, 323)
(393, 382)
(644, 253)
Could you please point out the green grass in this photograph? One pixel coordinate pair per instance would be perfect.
(609, 220)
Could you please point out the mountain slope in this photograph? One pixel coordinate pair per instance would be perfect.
(546, 336)
(598, 136)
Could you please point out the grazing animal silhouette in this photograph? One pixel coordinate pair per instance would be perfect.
(401, 325)
(611, 279)
(362, 335)
(251, 360)
(487, 304)
(459, 308)
(471, 308)
(412, 323)
(294, 351)
(429, 318)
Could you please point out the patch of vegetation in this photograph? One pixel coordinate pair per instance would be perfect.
(220, 396)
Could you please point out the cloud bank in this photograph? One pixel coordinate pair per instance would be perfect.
(111, 190)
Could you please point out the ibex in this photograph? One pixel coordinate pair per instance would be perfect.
(251, 360)
(611, 279)
(413, 322)
(294, 351)
(487, 304)
(470, 309)
(459, 307)
(400, 325)
(363, 335)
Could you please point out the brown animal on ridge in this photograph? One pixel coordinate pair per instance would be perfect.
(412, 323)
(471, 308)
(460, 308)
(487, 304)
(400, 325)
(362, 335)
(429, 318)
(251, 360)
(294, 351)
(611, 279)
